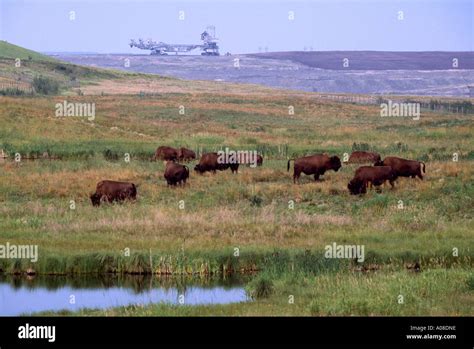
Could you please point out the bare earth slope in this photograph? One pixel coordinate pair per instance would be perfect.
(417, 73)
(376, 60)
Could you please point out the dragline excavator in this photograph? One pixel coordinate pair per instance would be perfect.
(208, 47)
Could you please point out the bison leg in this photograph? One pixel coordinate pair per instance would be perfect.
(316, 177)
(420, 175)
(378, 187)
(296, 177)
(363, 188)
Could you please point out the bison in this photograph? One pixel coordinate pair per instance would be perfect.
(360, 157)
(209, 162)
(176, 173)
(186, 154)
(258, 161)
(403, 167)
(166, 153)
(315, 165)
(110, 191)
(368, 175)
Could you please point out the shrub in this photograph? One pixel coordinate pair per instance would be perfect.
(45, 86)
(260, 287)
(12, 92)
(256, 200)
(470, 283)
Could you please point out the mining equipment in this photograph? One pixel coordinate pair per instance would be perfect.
(208, 47)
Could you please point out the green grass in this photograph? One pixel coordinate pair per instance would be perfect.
(248, 211)
(8, 50)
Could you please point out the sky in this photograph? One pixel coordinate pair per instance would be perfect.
(242, 26)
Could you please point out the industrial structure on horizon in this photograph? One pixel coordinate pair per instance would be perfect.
(208, 47)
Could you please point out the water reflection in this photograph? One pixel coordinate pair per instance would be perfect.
(20, 294)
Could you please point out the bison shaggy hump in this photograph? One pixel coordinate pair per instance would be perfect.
(315, 165)
(110, 191)
(185, 154)
(176, 173)
(166, 153)
(360, 157)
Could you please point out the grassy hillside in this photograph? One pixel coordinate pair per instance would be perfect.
(8, 50)
(19, 67)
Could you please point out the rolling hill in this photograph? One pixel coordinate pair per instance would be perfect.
(20, 66)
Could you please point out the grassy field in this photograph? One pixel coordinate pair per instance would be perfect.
(197, 229)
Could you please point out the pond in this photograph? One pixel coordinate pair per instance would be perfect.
(25, 295)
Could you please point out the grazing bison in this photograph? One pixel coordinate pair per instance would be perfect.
(360, 157)
(403, 167)
(110, 191)
(209, 162)
(259, 161)
(176, 173)
(315, 165)
(186, 154)
(166, 153)
(375, 176)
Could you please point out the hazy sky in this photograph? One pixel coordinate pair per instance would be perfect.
(242, 26)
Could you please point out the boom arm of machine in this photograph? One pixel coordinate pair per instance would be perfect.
(209, 46)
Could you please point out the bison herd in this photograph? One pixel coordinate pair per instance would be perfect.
(388, 169)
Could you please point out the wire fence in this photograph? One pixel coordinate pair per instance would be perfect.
(454, 105)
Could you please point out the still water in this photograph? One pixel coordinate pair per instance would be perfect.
(22, 295)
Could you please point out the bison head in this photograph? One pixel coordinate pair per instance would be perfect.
(186, 172)
(356, 187)
(95, 199)
(335, 163)
(198, 168)
(378, 163)
(377, 159)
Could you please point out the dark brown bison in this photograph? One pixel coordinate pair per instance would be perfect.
(373, 176)
(210, 162)
(361, 157)
(166, 153)
(403, 167)
(110, 191)
(176, 173)
(315, 165)
(259, 161)
(186, 154)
